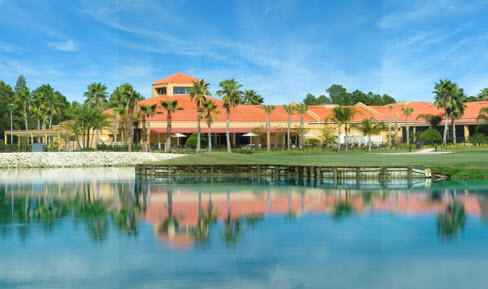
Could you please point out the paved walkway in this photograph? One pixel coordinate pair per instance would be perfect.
(420, 152)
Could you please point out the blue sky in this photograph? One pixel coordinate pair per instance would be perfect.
(283, 49)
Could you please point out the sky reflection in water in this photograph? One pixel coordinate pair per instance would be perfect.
(101, 228)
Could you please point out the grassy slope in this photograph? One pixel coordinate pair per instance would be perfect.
(459, 164)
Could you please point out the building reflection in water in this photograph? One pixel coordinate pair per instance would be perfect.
(184, 215)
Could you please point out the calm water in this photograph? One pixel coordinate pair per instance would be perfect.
(100, 228)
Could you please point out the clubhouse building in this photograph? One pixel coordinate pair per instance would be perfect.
(245, 119)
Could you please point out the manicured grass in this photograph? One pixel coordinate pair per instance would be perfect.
(460, 164)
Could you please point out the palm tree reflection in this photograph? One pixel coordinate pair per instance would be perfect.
(452, 220)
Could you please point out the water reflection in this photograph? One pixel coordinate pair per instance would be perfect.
(184, 215)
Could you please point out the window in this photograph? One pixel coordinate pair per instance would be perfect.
(181, 90)
(161, 90)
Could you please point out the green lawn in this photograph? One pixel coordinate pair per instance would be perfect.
(458, 164)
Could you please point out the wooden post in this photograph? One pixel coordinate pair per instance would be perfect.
(466, 133)
(32, 138)
(5, 135)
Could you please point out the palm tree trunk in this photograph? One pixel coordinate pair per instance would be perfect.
(268, 136)
(51, 115)
(227, 133)
(338, 138)
(143, 125)
(148, 123)
(199, 144)
(396, 131)
(345, 137)
(130, 139)
(389, 130)
(444, 139)
(302, 140)
(408, 131)
(115, 130)
(453, 131)
(369, 142)
(288, 132)
(122, 134)
(209, 138)
(97, 138)
(167, 149)
(25, 118)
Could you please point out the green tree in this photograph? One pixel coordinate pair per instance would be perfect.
(431, 136)
(341, 116)
(444, 91)
(170, 107)
(407, 111)
(433, 120)
(23, 100)
(210, 110)
(126, 97)
(369, 127)
(96, 95)
(251, 97)
(457, 107)
(302, 109)
(269, 110)
(483, 95)
(232, 97)
(7, 97)
(146, 112)
(310, 99)
(289, 109)
(199, 93)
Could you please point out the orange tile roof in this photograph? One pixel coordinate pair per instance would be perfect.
(188, 111)
(177, 78)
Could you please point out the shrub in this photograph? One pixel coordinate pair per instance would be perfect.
(431, 136)
(477, 139)
(313, 141)
(191, 142)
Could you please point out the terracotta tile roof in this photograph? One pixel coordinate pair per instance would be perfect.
(323, 112)
(177, 78)
(188, 111)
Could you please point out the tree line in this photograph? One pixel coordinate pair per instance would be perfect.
(339, 95)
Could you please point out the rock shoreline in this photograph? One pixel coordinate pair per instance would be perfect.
(79, 159)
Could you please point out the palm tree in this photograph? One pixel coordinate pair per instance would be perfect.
(407, 111)
(199, 93)
(251, 97)
(396, 127)
(341, 115)
(390, 108)
(170, 107)
(130, 97)
(232, 97)
(96, 95)
(443, 95)
(210, 109)
(433, 120)
(368, 127)
(289, 109)
(268, 109)
(457, 109)
(483, 95)
(147, 111)
(301, 110)
(23, 99)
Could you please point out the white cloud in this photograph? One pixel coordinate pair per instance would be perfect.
(5, 47)
(67, 46)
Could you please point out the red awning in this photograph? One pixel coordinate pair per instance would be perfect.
(214, 130)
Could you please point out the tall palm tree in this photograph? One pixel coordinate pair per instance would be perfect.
(390, 108)
(268, 109)
(483, 115)
(251, 97)
(407, 111)
(341, 115)
(96, 95)
(368, 127)
(232, 97)
(457, 109)
(23, 99)
(301, 110)
(170, 107)
(289, 109)
(483, 95)
(443, 96)
(130, 97)
(147, 111)
(210, 110)
(199, 93)
(396, 127)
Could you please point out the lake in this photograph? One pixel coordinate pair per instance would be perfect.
(102, 228)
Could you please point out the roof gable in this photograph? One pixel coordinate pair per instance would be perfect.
(177, 78)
